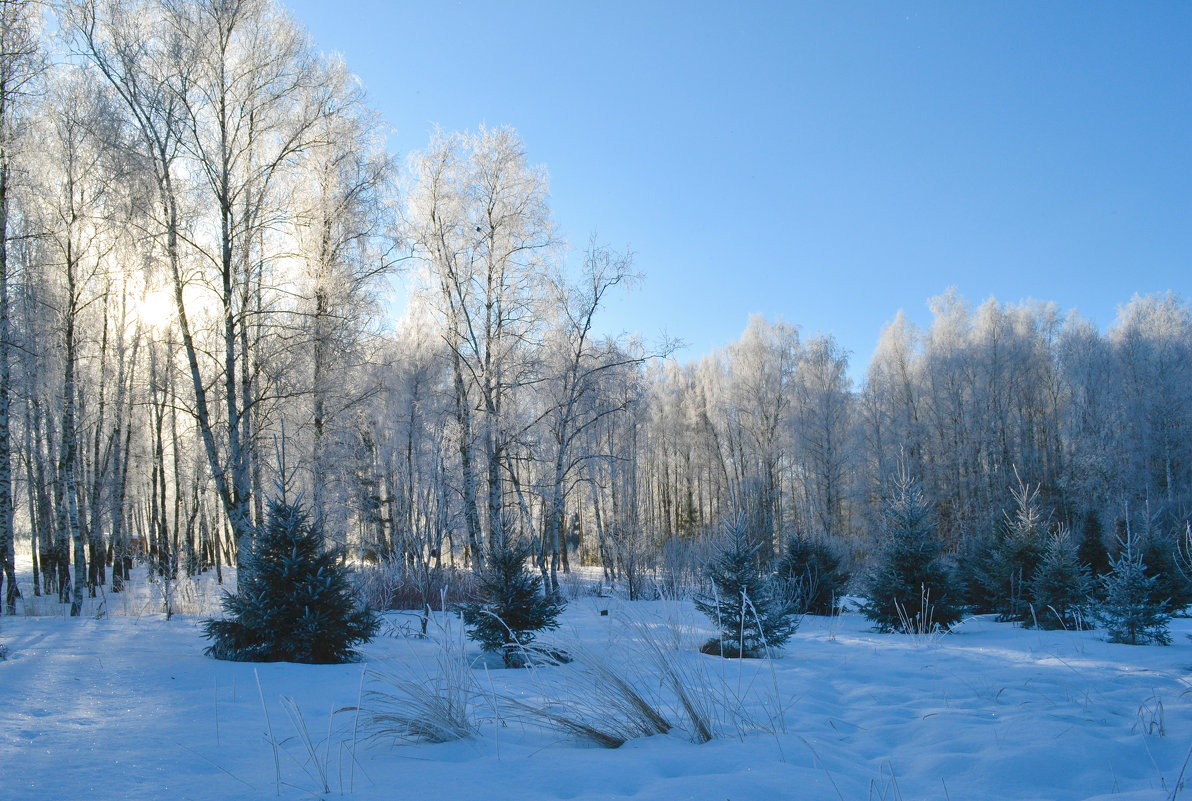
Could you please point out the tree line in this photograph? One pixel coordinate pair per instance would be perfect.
(198, 220)
(979, 404)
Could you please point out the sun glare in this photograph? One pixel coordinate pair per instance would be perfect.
(156, 309)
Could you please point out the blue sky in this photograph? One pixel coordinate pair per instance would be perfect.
(827, 163)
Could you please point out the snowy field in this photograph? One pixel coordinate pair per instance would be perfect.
(127, 707)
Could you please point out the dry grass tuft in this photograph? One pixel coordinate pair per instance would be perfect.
(435, 707)
(594, 701)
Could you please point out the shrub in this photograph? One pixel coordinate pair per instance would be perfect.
(394, 584)
(294, 604)
(814, 576)
(750, 609)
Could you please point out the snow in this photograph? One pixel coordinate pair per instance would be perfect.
(128, 707)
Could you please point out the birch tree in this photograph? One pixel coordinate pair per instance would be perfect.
(577, 392)
(224, 96)
(343, 243)
(823, 419)
(478, 219)
(76, 222)
(763, 367)
(20, 66)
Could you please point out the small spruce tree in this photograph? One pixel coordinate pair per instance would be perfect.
(295, 603)
(974, 575)
(1183, 553)
(510, 608)
(1127, 609)
(1017, 555)
(815, 578)
(908, 585)
(749, 607)
(1060, 586)
(1160, 555)
(1092, 550)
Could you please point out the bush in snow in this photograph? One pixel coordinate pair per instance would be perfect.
(750, 608)
(418, 584)
(1127, 610)
(814, 576)
(908, 587)
(294, 604)
(1060, 586)
(511, 607)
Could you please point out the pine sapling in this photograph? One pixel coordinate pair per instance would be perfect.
(295, 603)
(1161, 556)
(815, 578)
(1092, 551)
(1017, 555)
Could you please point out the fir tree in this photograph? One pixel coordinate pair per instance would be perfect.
(814, 576)
(1092, 550)
(752, 612)
(294, 604)
(1160, 555)
(510, 608)
(1059, 588)
(1128, 611)
(908, 586)
(1017, 555)
(974, 575)
(1183, 553)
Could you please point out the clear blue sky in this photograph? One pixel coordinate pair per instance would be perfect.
(828, 163)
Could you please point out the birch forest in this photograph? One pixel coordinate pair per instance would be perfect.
(201, 232)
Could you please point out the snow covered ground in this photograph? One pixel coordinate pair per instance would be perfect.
(127, 707)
